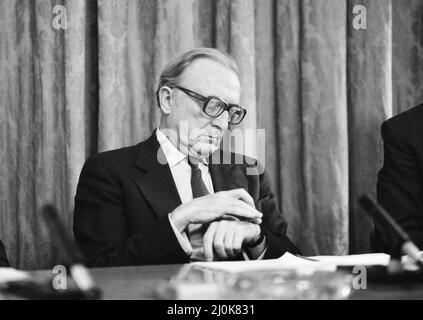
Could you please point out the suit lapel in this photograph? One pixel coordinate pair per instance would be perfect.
(155, 180)
(224, 173)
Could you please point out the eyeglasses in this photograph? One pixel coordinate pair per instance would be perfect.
(214, 106)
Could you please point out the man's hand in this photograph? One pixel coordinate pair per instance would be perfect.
(226, 238)
(213, 207)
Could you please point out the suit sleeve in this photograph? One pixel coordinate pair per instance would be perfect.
(100, 225)
(274, 225)
(399, 190)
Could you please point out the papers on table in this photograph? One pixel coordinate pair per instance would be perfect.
(356, 259)
(10, 274)
(298, 263)
(287, 262)
(370, 259)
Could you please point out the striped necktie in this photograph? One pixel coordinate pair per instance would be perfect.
(196, 231)
(199, 189)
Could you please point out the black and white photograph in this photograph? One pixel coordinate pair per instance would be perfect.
(211, 154)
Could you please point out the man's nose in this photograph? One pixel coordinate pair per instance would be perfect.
(221, 121)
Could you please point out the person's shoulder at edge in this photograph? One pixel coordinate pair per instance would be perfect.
(406, 122)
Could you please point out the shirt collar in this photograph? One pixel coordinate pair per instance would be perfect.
(172, 154)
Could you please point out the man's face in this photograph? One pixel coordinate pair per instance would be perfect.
(207, 78)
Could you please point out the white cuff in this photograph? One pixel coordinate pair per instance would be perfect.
(182, 238)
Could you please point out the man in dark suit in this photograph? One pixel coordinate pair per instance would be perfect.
(3, 257)
(400, 181)
(176, 197)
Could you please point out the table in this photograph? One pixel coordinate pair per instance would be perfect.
(140, 283)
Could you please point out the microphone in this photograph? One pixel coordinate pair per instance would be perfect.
(70, 253)
(375, 210)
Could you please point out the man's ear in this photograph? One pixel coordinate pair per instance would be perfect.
(165, 98)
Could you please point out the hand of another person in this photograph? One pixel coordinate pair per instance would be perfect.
(213, 207)
(225, 238)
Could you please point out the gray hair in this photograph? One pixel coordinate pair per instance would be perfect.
(175, 68)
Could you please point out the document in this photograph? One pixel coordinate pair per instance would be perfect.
(287, 262)
(369, 259)
(298, 263)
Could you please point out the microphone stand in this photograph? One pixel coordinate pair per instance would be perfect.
(394, 272)
(82, 285)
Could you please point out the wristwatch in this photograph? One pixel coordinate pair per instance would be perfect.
(258, 241)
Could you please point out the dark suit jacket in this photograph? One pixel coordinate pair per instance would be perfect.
(400, 181)
(3, 257)
(124, 197)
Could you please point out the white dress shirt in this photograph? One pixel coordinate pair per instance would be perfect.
(181, 173)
